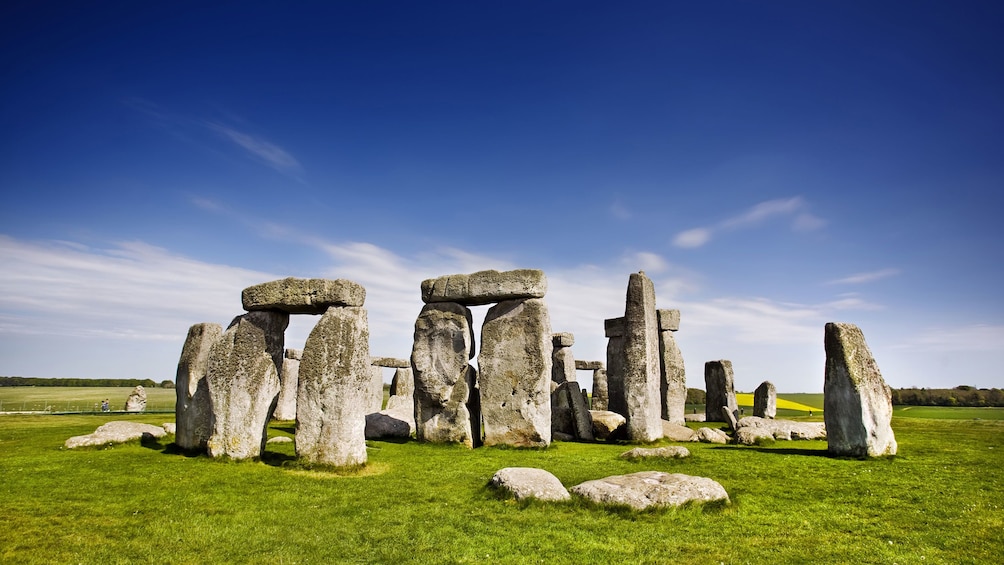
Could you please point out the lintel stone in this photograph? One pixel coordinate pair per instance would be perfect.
(669, 320)
(303, 296)
(562, 339)
(485, 287)
(391, 362)
(581, 365)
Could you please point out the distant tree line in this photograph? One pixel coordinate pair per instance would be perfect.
(696, 396)
(42, 381)
(958, 396)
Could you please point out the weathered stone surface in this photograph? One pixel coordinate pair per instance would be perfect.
(335, 390)
(671, 452)
(651, 488)
(729, 417)
(169, 427)
(402, 408)
(779, 429)
(381, 425)
(712, 435)
(695, 417)
(137, 400)
(753, 436)
(273, 324)
(613, 327)
(765, 400)
(857, 403)
(303, 296)
(279, 439)
(562, 364)
(374, 402)
(718, 383)
(526, 482)
(581, 365)
(677, 432)
(485, 287)
(445, 384)
(391, 362)
(243, 388)
(515, 365)
(669, 320)
(673, 378)
(600, 393)
(193, 410)
(579, 424)
(403, 383)
(562, 339)
(289, 379)
(641, 361)
(607, 424)
(116, 432)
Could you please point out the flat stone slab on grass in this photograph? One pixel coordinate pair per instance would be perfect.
(527, 482)
(303, 296)
(651, 488)
(116, 432)
(485, 287)
(676, 432)
(671, 452)
(752, 428)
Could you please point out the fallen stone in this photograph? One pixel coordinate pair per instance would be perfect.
(670, 452)
(765, 400)
(606, 424)
(641, 361)
(169, 427)
(280, 439)
(391, 362)
(695, 417)
(137, 400)
(753, 436)
(784, 429)
(857, 403)
(485, 287)
(676, 432)
(116, 432)
(718, 381)
(651, 488)
(381, 425)
(193, 410)
(729, 417)
(712, 435)
(525, 482)
(303, 296)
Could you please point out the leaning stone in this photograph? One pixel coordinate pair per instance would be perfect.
(712, 435)
(651, 488)
(669, 320)
(116, 432)
(289, 379)
(670, 452)
(445, 384)
(729, 418)
(673, 378)
(765, 400)
(391, 362)
(581, 365)
(335, 390)
(485, 287)
(303, 296)
(718, 381)
(641, 361)
(193, 410)
(676, 432)
(568, 396)
(857, 403)
(381, 425)
(137, 400)
(600, 393)
(525, 482)
(606, 424)
(515, 365)
(243, 389)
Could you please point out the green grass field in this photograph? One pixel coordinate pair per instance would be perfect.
(79, 399)
(938, 501)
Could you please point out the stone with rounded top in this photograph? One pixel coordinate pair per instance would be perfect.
(485, 287)
(651, 488)
(606, 424)
(765, 400)
(642, 398)
(303, 296)
(116, 432)
(718, 381)
(192, 408)
(527, 482)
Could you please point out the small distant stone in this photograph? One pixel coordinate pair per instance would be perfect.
(303, 296)
(280, 439)
(116, 432)
(671, 452)
(527, 482)
(651, 488)
(137, 400)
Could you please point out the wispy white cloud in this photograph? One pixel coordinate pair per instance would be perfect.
(871, 276)
(973, 338)
(795, 208)
(261, 149)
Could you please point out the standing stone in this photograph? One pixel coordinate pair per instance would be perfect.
(403, 383)
(445, 384)
(614, 330)
(765, 400)
(273, 324)
(673, 381)
(243, 388)
(289, 378)
(576, 421)
(375, 398)
(335, 390)
(641, 361)
(720, 392)
(562, 360)
(857, 403)
(192, 408)
(599, 399)
(515, 365)
(137, 400)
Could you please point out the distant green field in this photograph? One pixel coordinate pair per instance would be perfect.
(79, 399)
(949, 412)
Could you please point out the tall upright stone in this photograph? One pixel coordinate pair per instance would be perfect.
(718, 382)
(562, 359)
(335, 388)
(641, 361)
(614, 331)
(192, 408)
(515, 365)
(857, 403)
(599, 398)
(673, 381)
(137, 400)
(289, 379)
(445, 383)
(375, 398)
(243, 387)
(403, 383)
(765, 400)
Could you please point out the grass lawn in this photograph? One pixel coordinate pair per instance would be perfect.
(79, 399)
(939, 501)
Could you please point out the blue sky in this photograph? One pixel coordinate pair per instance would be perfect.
(771, 166)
